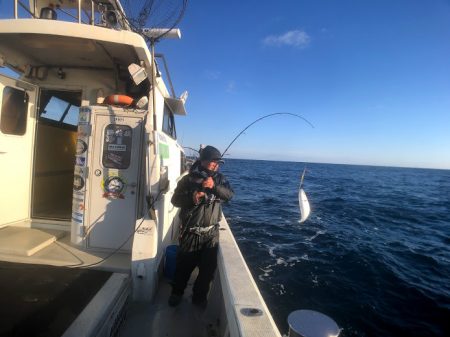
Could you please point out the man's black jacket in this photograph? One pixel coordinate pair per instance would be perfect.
(206, 213)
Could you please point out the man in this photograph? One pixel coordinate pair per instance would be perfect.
(199, 195)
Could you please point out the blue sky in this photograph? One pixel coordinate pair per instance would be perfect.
(372, 76)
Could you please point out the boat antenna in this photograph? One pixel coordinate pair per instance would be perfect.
(261, 118)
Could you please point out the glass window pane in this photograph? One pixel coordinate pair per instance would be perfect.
(169, 123)
(54, 109)
(72, 116)
(60, 107)
(166, 121)
(14, 111)
(117, 141)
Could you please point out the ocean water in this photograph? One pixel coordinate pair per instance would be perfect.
(374, 254)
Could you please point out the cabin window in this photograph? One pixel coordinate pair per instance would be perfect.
(169, 123)
(183, 166)
(117, 146)
(60, 108)
(13, 119)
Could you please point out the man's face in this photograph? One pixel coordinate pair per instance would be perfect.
(210, 165)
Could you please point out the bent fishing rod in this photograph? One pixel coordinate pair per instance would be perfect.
(261, 118)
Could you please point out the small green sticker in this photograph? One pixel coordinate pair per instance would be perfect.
(164, 150)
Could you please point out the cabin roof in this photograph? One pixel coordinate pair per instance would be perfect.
(64, 44)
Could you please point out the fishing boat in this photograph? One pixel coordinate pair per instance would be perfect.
(89, 160)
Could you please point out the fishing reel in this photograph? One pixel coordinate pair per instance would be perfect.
(209, 198)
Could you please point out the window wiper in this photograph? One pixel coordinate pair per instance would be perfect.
(65, 113)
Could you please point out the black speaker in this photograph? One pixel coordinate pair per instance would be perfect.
(111, 19)
(48, 13)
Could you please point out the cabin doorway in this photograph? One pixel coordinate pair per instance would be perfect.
(54, 158)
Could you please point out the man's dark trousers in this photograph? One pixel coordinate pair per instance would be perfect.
(206, 261)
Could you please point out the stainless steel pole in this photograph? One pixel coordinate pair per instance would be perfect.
(152, 43)
(92, 12)
(79, 11)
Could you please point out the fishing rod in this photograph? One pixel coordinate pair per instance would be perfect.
(261, 118)
(254, 122)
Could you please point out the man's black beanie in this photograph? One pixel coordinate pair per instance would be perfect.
(210, 153)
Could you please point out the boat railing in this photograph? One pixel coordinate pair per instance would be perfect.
(89, 12)
(246, 311)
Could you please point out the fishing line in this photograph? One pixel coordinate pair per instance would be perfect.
(190, 148)
(261, 118)
(303, 176)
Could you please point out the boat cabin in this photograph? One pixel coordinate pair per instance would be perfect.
(88, 145)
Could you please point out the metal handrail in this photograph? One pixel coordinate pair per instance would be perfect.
(33, 11)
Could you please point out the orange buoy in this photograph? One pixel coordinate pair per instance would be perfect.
(121, 100)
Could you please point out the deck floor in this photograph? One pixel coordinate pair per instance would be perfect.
(33, 302)
(62, 253)
(158, 319)
(39, 300)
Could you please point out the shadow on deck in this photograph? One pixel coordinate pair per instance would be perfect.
(158, 319)
(39, 300)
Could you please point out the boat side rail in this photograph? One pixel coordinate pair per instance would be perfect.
(246, 311)
(91, 12)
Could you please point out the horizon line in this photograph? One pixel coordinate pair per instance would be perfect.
(347, 164)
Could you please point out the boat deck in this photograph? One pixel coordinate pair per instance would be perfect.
(34, 245)
(40, 300)
(235, 306)
(158, 319)
(45, 290)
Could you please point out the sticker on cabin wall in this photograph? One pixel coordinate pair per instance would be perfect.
(84, 116)
(116, 147)
(114, 187)
(78, 194)
(113, 172)
(81, 146)
(84, 131)
(81, 171)
(162, 138)
(77, 219)
(77, 215)
(144, 230)
(164, 150)
(78, 182)
(78, 205)
(80, 161)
